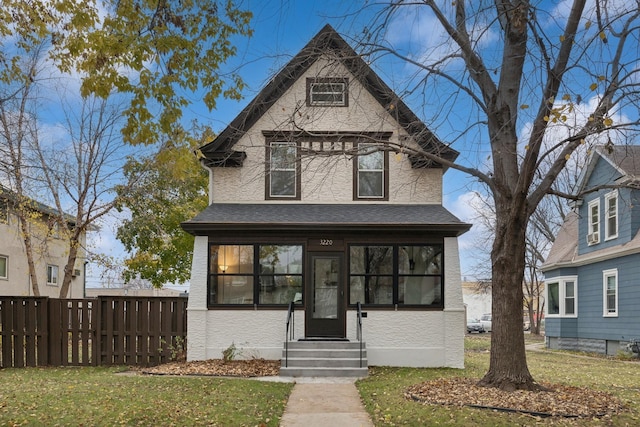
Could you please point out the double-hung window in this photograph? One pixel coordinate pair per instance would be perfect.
(611, 215)
(593, 229)
(562, 297)
(370, 173)
(283, 171)
(52, 275)
(4, 267)
(610, 292)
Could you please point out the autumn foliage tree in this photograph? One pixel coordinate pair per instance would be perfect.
(503, 77)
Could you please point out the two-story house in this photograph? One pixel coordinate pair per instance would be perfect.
(311, 201)
(592, 271)
(50, 250)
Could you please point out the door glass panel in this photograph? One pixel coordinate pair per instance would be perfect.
(325, 288)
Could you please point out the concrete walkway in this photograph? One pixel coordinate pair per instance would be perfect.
(323, 402)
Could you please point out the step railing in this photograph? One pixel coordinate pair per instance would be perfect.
(359, 328)
(289, 331)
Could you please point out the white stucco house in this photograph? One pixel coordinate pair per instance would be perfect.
(312, 200)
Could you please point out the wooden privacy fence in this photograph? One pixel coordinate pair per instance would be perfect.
(90, 332)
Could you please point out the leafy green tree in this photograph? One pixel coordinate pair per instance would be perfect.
(164, 189)
(157, 52)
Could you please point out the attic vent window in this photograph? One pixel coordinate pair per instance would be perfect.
(328, 92)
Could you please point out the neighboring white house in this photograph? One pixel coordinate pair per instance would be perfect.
(50, 249)
(312, 200)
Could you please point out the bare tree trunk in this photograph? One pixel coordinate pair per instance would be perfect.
(68, 268)
(508, 261)
(28, 247)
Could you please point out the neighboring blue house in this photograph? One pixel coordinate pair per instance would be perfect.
(593, 269)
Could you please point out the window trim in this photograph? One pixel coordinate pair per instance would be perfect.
(562, 282)
(6, 267)
(613, 272)
(270, 142)
(593, 227)
(385, 174)
(50, 268)
(312, 81)
(613, 195)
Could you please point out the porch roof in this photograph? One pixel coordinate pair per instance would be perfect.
(352, 217)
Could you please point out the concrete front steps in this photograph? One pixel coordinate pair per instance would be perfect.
(318, 358)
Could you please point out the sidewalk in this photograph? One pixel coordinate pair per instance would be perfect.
(322, 402)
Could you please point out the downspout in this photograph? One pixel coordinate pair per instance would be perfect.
(210, 186)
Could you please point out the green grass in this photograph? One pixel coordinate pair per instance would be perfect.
(382, 392)
(99, 397)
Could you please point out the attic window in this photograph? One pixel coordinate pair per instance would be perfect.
(328, 92)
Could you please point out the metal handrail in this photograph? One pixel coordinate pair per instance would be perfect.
(289, 332)
(359, 328)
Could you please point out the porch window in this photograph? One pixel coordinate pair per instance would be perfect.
(610, 291)
(593, 230)
(611, 224)
(409, 275)
(254, 274)
(280, 274)
(562, 298)
(370, 177)
(283, 171)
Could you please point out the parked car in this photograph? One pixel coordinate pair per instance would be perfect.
(485, 321)
(474, 325)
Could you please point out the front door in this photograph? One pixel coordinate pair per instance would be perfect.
(324, 303)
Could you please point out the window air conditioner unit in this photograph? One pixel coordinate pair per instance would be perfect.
(76, 272)
(593, 238)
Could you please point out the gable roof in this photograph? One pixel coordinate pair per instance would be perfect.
(623, 158)
(12, 198)
(218, 152)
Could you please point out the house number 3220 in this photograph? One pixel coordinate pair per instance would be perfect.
(326, 242)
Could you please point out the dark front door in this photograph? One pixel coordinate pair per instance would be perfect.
(324, 303)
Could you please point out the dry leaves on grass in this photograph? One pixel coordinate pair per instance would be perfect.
(562, 400)
(219, 367)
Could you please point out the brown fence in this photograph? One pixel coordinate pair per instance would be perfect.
(90, 332)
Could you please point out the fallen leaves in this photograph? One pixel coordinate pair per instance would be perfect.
(218, 367)
(561, 400)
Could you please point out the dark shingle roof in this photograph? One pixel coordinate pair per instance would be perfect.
(327, 40)
(237, 216)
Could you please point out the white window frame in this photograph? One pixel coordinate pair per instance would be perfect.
(6, 267)
(52, 275)
(562, 282)
(371, 149)
(609, 215)
(606, 274)
(593, 229)
(292, 169)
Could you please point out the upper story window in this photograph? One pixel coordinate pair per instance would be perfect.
(610, 292)
(4, 212)
(4, 267)
(283, 171)
(327, 92)
(562, 298)
(593, 229)
(52, 275)
(611, 215)
(371, 181)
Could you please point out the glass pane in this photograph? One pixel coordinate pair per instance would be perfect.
(283, 183)
(372, 161)
(235, 289)
(371, 260)
(231, 259)
(280, 289)
(370, 184)
(553, 298)
(283, 156)
(371, 290)
(569, 306)
(420, 260)
(281, 259)
(424, 290)
(569, 289)
(325, 288)
(3, 267)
